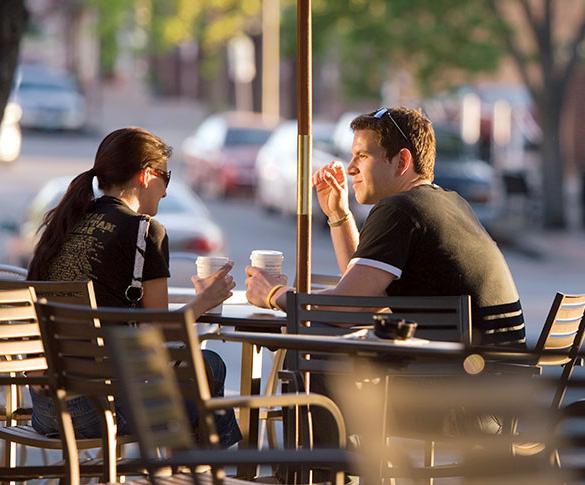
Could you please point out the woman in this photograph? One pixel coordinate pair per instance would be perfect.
(96, 239)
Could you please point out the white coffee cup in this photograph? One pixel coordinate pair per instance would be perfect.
(206, 266)
(268, 260)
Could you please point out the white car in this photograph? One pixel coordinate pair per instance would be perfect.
(50, 99)
(10, 136)
(276, 170)
(184, 215)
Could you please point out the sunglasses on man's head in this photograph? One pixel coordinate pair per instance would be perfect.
(163, 174)
(385, 111)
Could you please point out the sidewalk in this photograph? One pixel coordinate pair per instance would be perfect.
(561, 246)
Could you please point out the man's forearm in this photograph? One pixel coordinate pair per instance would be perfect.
(345, 238)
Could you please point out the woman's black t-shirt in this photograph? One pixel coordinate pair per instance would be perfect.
(102, 248)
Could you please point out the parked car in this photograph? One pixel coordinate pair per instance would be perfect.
(10, 136)
(184, 215)
(276, 169)
(220, 156)
(50, 99)
(457, 168)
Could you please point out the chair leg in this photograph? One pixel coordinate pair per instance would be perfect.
(109, 447)
(9, 446)
(70, 453)
(271, 386)
(430, 457)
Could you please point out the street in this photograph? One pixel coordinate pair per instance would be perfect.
(246, 227)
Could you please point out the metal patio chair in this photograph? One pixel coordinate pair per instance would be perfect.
(24, 365)
(448, 411)
(74, 340)
(152, 394)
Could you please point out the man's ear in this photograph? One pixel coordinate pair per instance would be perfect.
(405, 161)
(142, 177)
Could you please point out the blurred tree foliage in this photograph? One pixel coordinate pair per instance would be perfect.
(112, 16)
(437, 41)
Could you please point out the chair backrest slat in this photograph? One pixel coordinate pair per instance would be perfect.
(88, 368)
(74, 292)
(17, 347)
(16, 313)
(439, 318)
(19, 332)
(563, 327)
(13, 296)
(79, 384)
(73, 349)
(559, 342)
(23, 365)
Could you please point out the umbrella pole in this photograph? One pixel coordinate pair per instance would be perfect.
(304, 145)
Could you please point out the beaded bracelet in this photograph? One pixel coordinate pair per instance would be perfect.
(338, 222)
(271, 293)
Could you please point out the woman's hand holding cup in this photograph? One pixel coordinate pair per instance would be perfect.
(213, 285)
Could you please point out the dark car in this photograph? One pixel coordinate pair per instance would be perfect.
(458, 168)
(221, 155)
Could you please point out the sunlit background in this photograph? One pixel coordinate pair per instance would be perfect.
(503, 82)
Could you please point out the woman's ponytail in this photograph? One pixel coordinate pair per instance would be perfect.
(58, 222)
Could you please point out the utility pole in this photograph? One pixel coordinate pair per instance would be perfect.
(271, 58)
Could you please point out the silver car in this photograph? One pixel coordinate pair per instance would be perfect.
(185, 217)
(50, 99)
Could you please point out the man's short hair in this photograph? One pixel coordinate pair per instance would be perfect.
(419, 135)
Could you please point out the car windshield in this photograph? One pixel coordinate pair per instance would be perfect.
(450, 146)
(246, 136)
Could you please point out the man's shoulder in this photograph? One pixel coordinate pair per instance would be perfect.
(404, 202)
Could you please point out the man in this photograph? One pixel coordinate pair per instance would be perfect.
(418, 239)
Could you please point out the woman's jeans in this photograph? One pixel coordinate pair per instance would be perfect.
(87, 423)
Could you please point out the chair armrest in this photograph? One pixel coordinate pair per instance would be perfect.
(512, 368)
(337, 459)
(283, 400)
(21, 380)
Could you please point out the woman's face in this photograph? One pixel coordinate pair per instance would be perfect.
(155, 188)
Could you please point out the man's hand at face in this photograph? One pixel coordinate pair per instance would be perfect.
(259, 283)
(330, 182)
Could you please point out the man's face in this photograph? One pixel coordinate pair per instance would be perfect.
(372, 173)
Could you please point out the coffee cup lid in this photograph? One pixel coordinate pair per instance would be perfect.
(265, 252)
(211, 259)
